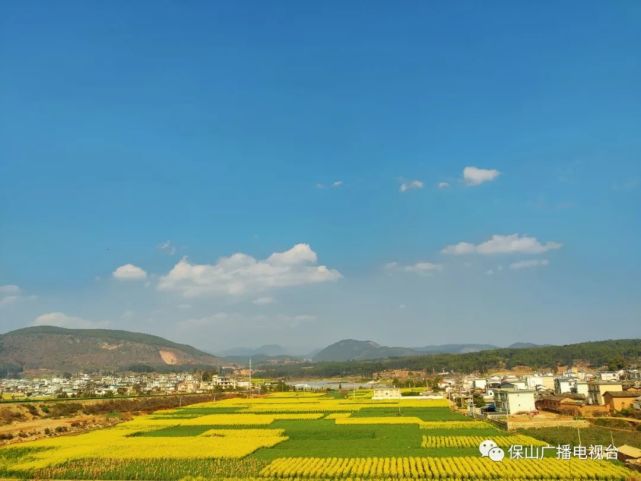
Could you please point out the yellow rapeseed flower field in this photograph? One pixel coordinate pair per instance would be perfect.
(223, 436)
(414, 420)
(442, 468)
(119, 444)
(455, 425)
(242, 419)
(475, 441)
(315, 403)
(338, 415)
(380, 420)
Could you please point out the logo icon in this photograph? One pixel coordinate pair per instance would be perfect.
(489, 449)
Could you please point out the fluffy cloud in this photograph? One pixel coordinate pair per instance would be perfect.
(443, 185)
(411, 185)
(129, 272)
(528, 264)
(502, 244)
(476, 176)
(241, 274)
(418, 268)
(60, 319)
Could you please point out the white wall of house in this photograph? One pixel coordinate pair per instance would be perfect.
(562, 385)
(514, 401)
(581, 387)
(598, 389)
(480, 383)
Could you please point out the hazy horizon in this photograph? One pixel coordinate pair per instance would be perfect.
(244, 174)
(306, 350)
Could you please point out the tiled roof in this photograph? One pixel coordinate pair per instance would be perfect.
(622, 394)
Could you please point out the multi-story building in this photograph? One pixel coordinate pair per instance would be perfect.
(512, 401)
(597, 389)
(563, 385)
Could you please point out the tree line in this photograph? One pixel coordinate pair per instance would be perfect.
(612, 354)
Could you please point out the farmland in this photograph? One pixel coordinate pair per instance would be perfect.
(294, 436)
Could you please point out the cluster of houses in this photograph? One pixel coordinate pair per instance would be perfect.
(86, 385)
(574, 392)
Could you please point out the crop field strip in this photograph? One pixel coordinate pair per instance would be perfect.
(439, 468)
(475, 441)
(292, 436)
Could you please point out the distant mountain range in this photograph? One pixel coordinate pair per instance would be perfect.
(48, 348)
(454, 348)
(266, 350)
(351, 349)
(612, 354)
(55, 349)
(355, 350)
(524, 345)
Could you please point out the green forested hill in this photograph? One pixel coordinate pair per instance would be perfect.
(57, 349)
(352, 349)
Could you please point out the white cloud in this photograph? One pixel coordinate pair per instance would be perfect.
(60, 319)
(423, 267)
(223, 320)
(263, 301)
(11, 293)
(443, 185)
(502, 244)
(129, 272)
(241, 274)
(296, 320)
(210, 320)
(418, 268)
(334, 185)
(528, 264)
(167, 247)
(10, 290)
(411, 185)
(299, 254)
(6, 300)
(476, 176)
(459, 249)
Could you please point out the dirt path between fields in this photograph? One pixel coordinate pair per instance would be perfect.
(36, 428)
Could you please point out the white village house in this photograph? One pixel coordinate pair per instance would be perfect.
(512, 401)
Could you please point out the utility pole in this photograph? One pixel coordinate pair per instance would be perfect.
(250, 377)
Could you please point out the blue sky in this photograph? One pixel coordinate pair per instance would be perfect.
(168, 136)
